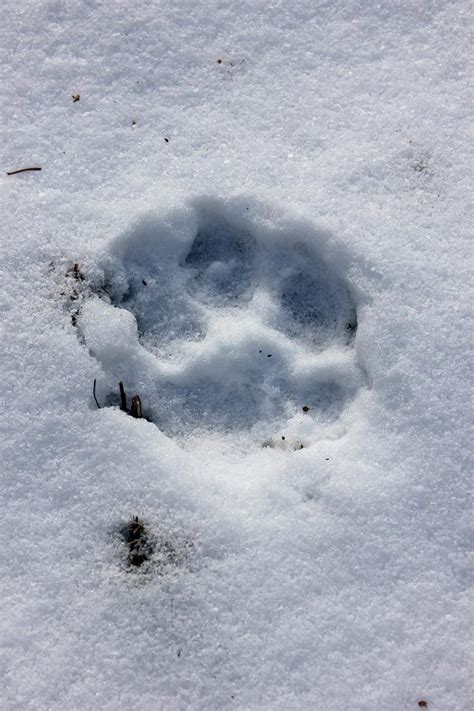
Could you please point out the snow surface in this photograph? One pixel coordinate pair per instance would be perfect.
(291, 178)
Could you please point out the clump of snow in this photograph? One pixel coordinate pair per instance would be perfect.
(287, 177)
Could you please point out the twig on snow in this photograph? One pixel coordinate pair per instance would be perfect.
(136, 408)
(123, 398)
(93, 392)
(21, 170)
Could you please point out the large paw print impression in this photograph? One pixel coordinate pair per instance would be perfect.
(226, 327)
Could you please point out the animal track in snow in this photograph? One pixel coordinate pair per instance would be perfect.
(226, 326)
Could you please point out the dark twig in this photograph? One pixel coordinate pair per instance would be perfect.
(93, 392)
(21, 170)
(123, 398)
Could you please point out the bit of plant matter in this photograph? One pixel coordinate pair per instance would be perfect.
(136, 537)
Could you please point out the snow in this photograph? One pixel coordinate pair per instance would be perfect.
(308, 506)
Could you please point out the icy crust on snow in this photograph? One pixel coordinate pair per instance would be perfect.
(227, 325)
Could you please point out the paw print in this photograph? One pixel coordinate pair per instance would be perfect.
(225, 327)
